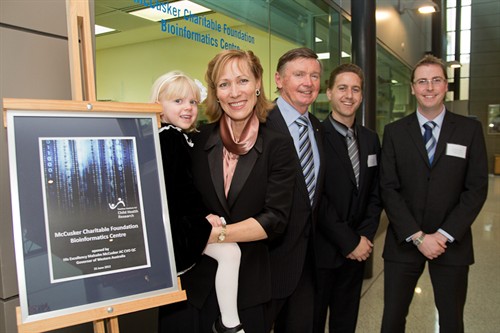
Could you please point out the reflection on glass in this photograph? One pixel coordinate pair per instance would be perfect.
(494, 119)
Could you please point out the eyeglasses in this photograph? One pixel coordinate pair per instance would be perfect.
(436, 81)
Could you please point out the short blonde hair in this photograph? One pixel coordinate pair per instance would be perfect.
(215, 68)
(172, 85)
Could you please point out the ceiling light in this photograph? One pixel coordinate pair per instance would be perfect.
(423, 6)
(99, 29)
(454, 64)
(326, 55)
(426, 9)
(157, 13)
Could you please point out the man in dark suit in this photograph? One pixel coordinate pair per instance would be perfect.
(298, 79)
(350, 207)
(434, 181)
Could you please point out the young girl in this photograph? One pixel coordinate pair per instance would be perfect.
(190, 220)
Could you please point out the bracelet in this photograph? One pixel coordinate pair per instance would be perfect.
(223, 232)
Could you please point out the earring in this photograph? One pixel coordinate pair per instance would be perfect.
(217, 100)
(257, 92)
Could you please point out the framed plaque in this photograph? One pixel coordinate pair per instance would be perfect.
(90, 216)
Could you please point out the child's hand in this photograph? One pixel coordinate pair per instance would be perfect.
(215, 221)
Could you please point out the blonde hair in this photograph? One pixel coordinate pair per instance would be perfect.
(215, 68)
(172, 85)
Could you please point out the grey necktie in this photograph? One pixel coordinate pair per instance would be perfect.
(352, 149)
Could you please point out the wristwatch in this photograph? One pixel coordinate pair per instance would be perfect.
(419, 240)
(222, 235)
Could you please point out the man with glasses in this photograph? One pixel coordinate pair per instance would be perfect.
(434, 181)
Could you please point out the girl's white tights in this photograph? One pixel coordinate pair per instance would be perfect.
(228, 255)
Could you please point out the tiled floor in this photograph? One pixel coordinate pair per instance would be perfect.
(482, 310)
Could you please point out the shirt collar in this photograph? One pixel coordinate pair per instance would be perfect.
(438, 120)
(339, 127)
(288, 111)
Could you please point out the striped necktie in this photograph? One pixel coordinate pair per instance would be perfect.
(352, 150)
(430, 140)
(306, 155)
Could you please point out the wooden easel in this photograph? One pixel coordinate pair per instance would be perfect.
(81, 57)
(84, 99)
(104, 319)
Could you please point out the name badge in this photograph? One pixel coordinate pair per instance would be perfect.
(456, 150)
(372, 160)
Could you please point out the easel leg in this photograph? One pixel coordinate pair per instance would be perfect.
(112, 325)
(109, 325)
(81, 56)
(99, 326)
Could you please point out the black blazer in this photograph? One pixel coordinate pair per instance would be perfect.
(288, 253)
(190, 229)
(261, 188)
(346, 212)
(448, 195)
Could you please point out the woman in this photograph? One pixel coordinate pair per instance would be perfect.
(245, 174)
(179, 96)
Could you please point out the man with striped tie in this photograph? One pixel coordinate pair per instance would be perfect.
(433, 181)
(298, 79)
(350, 207)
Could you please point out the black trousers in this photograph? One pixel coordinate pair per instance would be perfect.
(294, 314)
(338, 289)
(449, 284)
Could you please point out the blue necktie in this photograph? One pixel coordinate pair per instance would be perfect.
(430, 140)
(306, 156)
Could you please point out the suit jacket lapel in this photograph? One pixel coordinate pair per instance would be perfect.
(319, 143)
(214, 145)
(416, 135)
(243, 169)
(363, 154)
(444, 135)
(276, 121)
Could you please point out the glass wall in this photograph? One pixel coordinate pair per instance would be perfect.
(188, 34)
(458, 47)
(394, 98)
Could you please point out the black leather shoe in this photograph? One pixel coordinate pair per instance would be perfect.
(218, 327)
